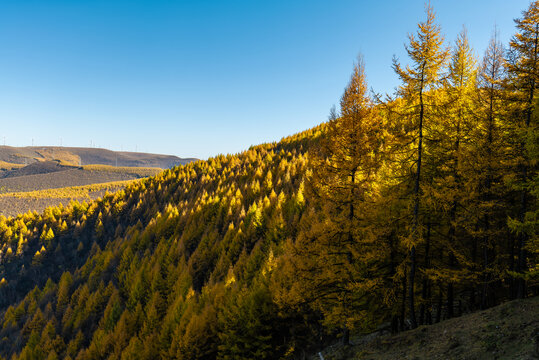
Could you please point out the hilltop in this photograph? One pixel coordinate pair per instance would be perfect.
(78, 156)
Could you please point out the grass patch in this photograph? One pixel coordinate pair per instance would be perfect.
(64, 157)
(9, 166)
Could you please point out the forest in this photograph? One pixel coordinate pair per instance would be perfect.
(401, 210)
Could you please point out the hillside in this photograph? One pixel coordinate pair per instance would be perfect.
(51, 175)
(188, 265)
(15, 203)
(508, 331)
(39, 168)
(183, 232)
(48, 175)
(404, 215)
(83, 156)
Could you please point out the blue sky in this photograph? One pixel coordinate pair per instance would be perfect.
(199, 78)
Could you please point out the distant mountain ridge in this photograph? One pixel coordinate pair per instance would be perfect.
(85, 156)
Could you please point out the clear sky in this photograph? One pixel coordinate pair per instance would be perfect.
(199, 78)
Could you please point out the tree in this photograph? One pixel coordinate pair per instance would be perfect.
(337, 245)
(523, 80)
(488, 158)
(452, 149)
(246, 321)
(419, 80)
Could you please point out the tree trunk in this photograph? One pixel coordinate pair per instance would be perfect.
(453, 217)
(425, 304)
(403, 305)
(522, 255)
(474, 261)
(452, 261)
(484, 290)
(439, 308)
(346, 336)
(450, 301)
(512, 282)
(417, 190)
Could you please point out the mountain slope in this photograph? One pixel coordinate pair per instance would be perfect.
(406, 213)
(165, 268)
(185, 265)
(19, 187)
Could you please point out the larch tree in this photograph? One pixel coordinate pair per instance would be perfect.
(420, 79)
(523, 80)
(487, 158)
(453, 139)
(337, 246)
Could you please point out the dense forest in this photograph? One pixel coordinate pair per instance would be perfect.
(401, 210)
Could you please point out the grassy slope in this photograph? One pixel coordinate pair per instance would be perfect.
(508, 331)
(12, 204)
(69, 186)
(6, 166)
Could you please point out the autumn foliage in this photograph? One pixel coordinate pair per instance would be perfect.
(399, 211)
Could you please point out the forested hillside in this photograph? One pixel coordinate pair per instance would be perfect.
(399, 211)
(162, 255)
